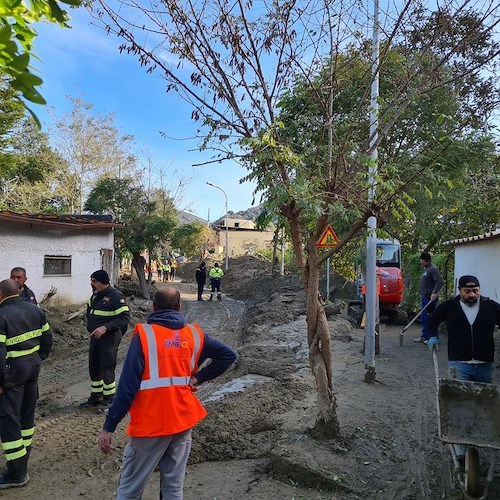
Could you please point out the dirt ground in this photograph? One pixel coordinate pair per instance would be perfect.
(255, 443)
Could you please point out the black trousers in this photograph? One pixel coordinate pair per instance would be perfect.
(17, 405)
(103, 354)
(200, 290)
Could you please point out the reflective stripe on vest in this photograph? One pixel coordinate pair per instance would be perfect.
(116, 312)
(155, 381)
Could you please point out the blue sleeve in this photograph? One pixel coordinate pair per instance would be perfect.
(222, 358)
(130, 382)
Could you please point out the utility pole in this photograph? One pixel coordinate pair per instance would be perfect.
(371, 243)
(226, 223)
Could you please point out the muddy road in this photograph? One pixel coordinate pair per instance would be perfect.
(255, 443)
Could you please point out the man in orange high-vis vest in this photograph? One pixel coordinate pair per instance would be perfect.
(159, 378)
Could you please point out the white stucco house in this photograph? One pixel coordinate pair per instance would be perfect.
(58, 251)
(479, 256)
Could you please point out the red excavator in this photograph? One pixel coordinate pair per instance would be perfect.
(390, 286)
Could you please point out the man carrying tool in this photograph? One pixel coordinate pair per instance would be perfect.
(470, 322)
(429, 286)
(159, 378)
(25, 340)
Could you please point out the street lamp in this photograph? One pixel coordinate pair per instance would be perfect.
(227, 240)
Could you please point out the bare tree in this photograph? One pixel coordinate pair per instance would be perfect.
(93, 148)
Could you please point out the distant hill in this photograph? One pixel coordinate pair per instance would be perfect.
(188, 218)
(250, 214)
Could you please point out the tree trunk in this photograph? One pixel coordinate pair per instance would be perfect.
(318, 331)
(137, 262)
(320, 353)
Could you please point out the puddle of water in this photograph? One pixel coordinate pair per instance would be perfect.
(237, 385)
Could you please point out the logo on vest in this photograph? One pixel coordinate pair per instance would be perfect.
(176, 342)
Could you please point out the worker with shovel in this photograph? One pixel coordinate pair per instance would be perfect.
(428, 288)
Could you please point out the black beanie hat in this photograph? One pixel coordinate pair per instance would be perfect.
(101, 276)
(425, 256)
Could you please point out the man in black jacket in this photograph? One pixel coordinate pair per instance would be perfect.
(107, 320)
(18, 274)
(201, 278)
(25, 340)
(470, 321)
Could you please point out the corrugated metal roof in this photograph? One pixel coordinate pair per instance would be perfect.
(78, 221)
(481, 237)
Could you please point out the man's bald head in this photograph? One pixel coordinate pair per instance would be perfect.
(167, 298)
(9, 287)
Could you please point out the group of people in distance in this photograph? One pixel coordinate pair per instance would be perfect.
(165, 270)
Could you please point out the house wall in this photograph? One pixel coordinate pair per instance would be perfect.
(480, 258)
(238, 241)
(240, 223)
(26, 245)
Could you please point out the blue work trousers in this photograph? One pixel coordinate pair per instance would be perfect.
(425, 315)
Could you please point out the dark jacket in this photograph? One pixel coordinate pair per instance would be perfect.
(221, 355)
(466, 342)
(27, 295)
(24, 333)
(108, 308)
(201, 275)
(430, 281)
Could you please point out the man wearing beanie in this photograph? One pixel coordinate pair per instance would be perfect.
(107, 320)
(428, 288)
(470, 321)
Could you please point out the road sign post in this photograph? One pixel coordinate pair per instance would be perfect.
(328, 240)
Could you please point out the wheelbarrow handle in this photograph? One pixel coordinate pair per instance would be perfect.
(436, 365)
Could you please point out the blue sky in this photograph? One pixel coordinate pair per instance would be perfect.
(84, 61)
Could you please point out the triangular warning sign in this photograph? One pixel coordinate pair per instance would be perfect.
(329, 239)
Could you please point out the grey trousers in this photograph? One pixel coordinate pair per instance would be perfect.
(142, 455)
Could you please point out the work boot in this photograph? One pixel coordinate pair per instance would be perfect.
(219, 296)
(106, 403)
(15, 473)
(93, 401)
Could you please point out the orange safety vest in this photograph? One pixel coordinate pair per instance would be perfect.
(165, 404)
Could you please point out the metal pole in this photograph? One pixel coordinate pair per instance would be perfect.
(371, 244)
(282, 267)
(328, 279)
(226, 222)
(227, 238)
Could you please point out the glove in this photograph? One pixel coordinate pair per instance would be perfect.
(433, 342)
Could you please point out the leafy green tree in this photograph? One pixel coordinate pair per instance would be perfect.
(191, 239)
(129, 204)
(32, 176)
(17, 36)
(244, 57)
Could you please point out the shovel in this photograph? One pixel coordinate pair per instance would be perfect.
(401, 335)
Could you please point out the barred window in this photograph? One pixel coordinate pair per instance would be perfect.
(59, 265)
